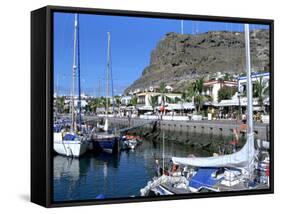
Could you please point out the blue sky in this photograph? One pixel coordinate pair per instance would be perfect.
(132, 40)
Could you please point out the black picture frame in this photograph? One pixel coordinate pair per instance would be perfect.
(42, 101)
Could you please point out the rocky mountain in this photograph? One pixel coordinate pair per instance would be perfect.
(178, 59)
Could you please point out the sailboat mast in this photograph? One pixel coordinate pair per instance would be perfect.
(249, 80)
(78, 71)
(98, 88)
(107, 72)
(57, 97)
(112, 88)
(74, 67)
(163, 151)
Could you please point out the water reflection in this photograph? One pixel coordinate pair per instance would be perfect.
(123, 175)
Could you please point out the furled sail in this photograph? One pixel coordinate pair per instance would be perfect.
(105, 128)
(242, 158)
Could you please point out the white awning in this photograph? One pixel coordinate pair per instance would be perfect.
(178, 106)
(224, 103)
(236, 102)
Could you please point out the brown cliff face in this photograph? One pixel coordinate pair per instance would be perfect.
(178, 59)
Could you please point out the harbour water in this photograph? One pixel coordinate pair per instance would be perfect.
(124, 174)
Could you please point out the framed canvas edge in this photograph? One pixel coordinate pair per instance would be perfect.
(49, 99)
(38, 172)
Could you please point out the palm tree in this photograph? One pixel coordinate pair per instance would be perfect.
(134, 101)
(194, 93)
(88, 107)
(118, 102)
(102, 103)
(163, 91)
(226, 77)
(199, 85)
(199, 98)
(92, 105)
(261, 91)
(188, 93)
(153, 101)
(60, 104)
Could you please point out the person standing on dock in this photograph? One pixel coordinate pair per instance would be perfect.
(244, 119)
(162, 110)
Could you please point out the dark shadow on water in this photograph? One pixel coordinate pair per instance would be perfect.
(25, 197)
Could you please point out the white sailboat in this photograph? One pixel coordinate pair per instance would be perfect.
(74, 147)
(244, 157)
(70, 143)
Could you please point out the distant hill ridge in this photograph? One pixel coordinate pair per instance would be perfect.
(180, 58)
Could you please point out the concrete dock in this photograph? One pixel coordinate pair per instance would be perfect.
(216, 127)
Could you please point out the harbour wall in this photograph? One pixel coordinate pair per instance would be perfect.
(216, 127)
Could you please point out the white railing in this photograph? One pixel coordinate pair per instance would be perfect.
(149, 117)
(165, 117)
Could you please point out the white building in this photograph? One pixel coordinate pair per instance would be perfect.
(126, 100)
(212, 88)
(83, 103)
(242, 81)
(68, 102)
(144, 98)
(169, 88)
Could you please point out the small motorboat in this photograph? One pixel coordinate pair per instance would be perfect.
(130, 142)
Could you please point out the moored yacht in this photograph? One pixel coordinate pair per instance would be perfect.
(106, 140)
(71, 143)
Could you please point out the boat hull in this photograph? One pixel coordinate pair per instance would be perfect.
(69, 148)
(161, 190)
(108, 145)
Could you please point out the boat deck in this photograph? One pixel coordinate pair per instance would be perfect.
(237, 187)
(102, 135)
(176, 190)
